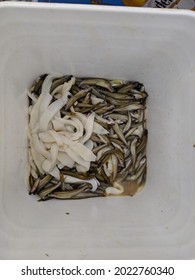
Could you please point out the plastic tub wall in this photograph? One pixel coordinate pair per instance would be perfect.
(153, 46)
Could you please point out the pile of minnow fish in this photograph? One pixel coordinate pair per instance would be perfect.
(87, 137)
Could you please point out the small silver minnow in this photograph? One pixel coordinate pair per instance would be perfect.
(46, 191)
(76, 97)
(128, 124)
(133, 150)
(127, 88)
(117, 83)
(35, 186)
(98, 82)
(68, 194)
(139, 173)
(130, 107)
(120, 134)
(43, 182)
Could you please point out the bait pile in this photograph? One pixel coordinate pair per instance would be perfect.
(87, 137)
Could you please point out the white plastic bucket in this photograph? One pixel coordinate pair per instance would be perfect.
(155, 47)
